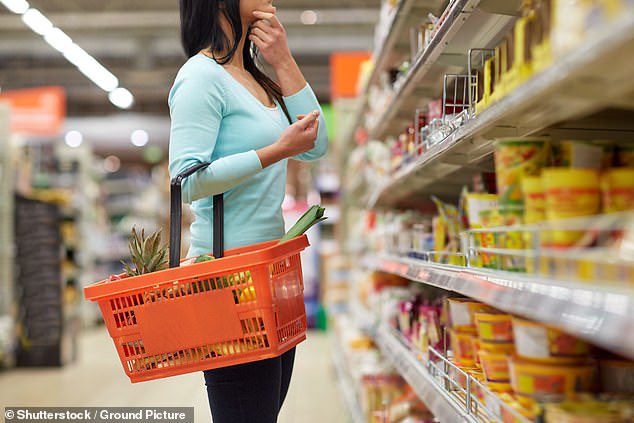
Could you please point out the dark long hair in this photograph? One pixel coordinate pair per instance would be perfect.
(200, 29)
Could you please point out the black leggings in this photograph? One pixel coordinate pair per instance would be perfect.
(251, 392)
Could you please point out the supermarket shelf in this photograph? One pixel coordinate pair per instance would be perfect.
(346, 385)
(463, 27)
(408, 13)
(599, 314)
(576, 86)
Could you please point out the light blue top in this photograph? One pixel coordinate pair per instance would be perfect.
(216, 119)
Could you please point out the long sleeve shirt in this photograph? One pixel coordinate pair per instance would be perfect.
(216, 119)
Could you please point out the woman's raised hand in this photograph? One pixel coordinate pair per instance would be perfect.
(269, 36)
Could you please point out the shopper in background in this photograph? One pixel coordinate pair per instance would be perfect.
(226, 111)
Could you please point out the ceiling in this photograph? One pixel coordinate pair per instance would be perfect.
(138, 41)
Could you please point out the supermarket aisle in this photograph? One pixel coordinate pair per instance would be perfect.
(97, 380)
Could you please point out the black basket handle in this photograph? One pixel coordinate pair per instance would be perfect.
(176, 215)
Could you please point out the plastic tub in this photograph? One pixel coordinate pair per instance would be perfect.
(617, 186)
(494, 327)
(495, 367)
(543, 343)
(462, 347)
(539, 379)
(462, 310)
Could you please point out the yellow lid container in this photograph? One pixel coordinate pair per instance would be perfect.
(539, 342)
(570, 193)
(538, 379)
(494, 327)
(617, 186)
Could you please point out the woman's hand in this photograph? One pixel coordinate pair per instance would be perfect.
(298, 138)
(269, 36)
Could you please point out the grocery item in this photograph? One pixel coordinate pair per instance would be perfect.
(539, 342)
(461, 313)
(534, 199)
(569, 193)
(476, 204)
(489, 219)
(495, 366)
(616, 376)
(578, 154)
(497, 347)
(617, 187)
(312, 216)
(513, 241)
(462, 347)
(539, 379)
(147, 253)
(494, 327)
(514, 159)
(585, 411)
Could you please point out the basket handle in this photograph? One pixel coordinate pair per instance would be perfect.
(176, 214)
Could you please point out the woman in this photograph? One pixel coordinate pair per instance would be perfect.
(224, 110)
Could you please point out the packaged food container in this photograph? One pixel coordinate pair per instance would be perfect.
(462, 310)
(494, 327)
(514, 159)
(495, 366)
(497, 347)
(462, 347)
(489, 219)
(570, 193)
(539, 342)
(538, 379)
(534, 199)
(511, 240)
(582, 412)
(616, 376)
(515, 407)
(617, 187)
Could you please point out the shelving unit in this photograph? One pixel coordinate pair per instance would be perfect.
(571, 90)
(582, 95)
(600, 314)
(346, 385)
(6, 241)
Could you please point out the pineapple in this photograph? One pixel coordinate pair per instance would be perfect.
(147, 254)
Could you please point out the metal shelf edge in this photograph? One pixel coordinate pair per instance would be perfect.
(345, 385)
(592, 313)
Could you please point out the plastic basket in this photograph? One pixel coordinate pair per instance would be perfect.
(243, 307)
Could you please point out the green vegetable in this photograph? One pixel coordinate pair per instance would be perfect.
(203, 257)
(313, 215)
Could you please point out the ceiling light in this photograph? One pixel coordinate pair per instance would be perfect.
(58, 39)
(308, 17)
(111, 164)
(121, 98)
(140, 138)
(39, 23)
(16, 6)
(73, 139)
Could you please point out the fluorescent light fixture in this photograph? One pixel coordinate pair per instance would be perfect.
(58, 39)
(140, 138)
(121, 98)
(73, 139)
(39, 23)
(16, 6)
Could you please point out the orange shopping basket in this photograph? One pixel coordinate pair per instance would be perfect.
(246, 305)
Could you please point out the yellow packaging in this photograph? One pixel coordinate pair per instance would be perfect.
(495, 366)
(514, 159)
(494, 327)
(534, 199)
(617, 187)
(578, 154)
(583, 411)
(497, 347)
(569, 193)
(490, 219)
(462, 347)
(538, 379)
(439, 230)
(462, 311)
(539, 342)
(476, 203)
(512, 216)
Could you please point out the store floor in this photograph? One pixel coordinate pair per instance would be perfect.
(96, 379)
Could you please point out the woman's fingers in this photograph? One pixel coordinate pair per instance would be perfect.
(261, 35)
(270, 17)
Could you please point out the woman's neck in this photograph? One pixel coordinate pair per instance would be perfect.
(237, 61)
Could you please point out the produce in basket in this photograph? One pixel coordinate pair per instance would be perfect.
(313, 215)
(147, 254)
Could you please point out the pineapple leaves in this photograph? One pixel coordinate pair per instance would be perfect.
(147, 254)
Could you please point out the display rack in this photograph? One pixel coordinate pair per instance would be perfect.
(6, 240)
(600, 314)
(573, 88)
(430, 379)
(346, 384)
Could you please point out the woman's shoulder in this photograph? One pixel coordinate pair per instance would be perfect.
(200, 67)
